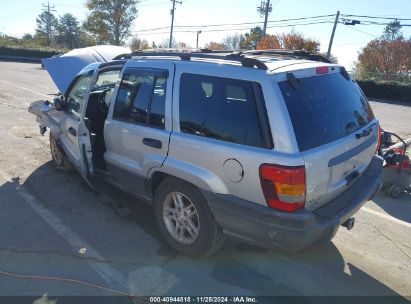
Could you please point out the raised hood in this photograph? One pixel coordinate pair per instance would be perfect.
(64, 68)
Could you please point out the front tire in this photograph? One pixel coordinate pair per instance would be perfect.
(185, 220)
(58, 158)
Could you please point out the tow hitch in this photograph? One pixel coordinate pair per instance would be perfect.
(349, 224)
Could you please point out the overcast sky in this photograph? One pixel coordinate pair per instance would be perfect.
(18, 17)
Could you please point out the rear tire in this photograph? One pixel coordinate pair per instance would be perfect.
(185, 220)
(58, 158)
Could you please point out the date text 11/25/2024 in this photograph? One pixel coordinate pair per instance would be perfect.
(206, 299)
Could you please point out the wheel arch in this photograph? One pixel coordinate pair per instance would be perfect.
(196, 176)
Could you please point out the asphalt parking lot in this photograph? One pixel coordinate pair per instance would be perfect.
(52, 224)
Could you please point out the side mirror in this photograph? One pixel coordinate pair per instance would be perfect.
(59, 103)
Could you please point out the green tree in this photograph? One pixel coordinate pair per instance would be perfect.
(392, 31)
(251, 39)
(68, 31)
(46, 27)
(85, 39)
(111, 20)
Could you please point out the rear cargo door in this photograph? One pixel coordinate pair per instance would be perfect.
(335, 130)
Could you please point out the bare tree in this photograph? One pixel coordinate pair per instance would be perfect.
(233, 42)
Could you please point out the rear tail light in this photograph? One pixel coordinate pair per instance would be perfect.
(283, 187)
(379, 140)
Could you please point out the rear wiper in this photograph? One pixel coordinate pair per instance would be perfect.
(293, 81)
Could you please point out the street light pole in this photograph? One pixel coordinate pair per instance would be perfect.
(198, 34)
(172, 21)
(332, 34)
(267, 10)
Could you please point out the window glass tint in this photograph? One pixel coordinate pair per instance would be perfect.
(75, 96)
(106, 80)
(158, 103)
(141, 99)
(325, 108)
(219, 108)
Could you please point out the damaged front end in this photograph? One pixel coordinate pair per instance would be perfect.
(47, 117)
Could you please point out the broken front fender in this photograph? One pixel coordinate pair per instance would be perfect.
(47, 117)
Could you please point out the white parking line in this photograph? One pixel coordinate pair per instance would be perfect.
(109, 274)
(386, 216)
(25, 89)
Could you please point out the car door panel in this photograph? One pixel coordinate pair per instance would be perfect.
(74, 136)
(133, 148)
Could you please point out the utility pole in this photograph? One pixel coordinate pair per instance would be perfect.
(172, 21)
(198, 34)
(332, 34)
(47, 8)
(265, 9)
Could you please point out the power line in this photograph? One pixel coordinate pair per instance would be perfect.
(363, 32)
(21, 13)
(235, 24)
(238, 28)
(381, 23)
(376, 17)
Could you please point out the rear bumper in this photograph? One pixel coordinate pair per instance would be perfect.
(266, 227)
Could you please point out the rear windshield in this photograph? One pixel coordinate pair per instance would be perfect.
(325, 108)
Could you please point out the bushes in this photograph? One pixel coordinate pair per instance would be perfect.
(28, 52)
(386, 90)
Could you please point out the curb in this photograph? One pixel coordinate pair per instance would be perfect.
(20, 59)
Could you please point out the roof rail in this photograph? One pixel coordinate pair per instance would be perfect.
(237, 57)
(290, 53)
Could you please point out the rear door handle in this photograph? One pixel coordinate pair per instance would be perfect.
(151, 142)
(72, 131)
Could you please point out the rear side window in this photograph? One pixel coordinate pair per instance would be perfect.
(325, 108)
(141, 98)
(220, 108)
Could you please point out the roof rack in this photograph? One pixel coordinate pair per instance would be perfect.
(290, 53)
(228, 55)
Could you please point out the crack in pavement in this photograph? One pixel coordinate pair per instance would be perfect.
(66, 254)
(11, 106)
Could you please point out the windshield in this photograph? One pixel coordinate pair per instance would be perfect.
(325, 108)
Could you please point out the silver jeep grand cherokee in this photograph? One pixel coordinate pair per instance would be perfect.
(276, 148)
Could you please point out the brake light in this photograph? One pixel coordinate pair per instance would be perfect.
(379, 140)
(321, 70)
(283, 187)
